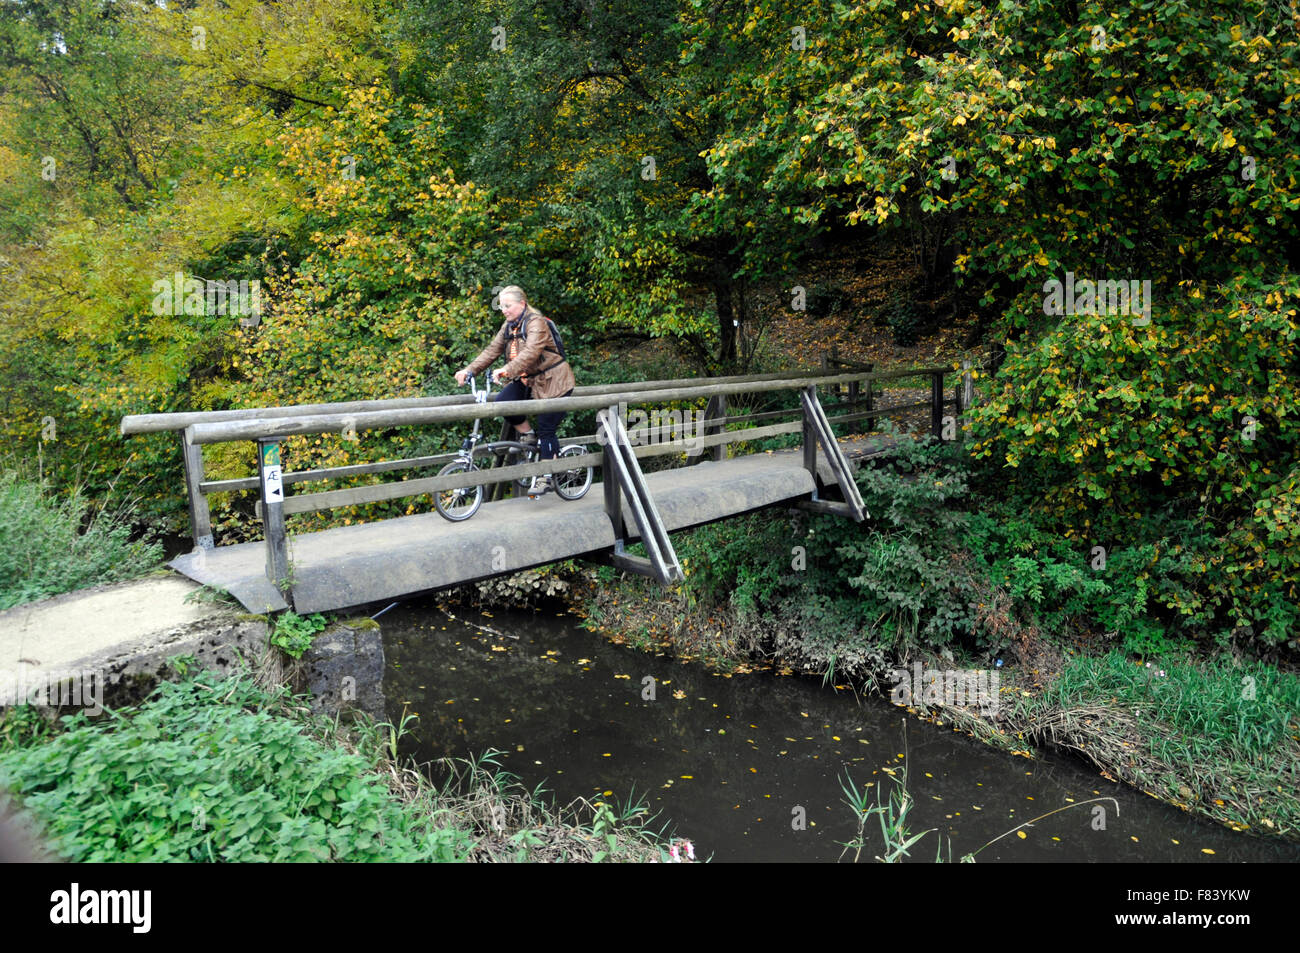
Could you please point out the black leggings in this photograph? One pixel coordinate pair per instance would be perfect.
(548, 444)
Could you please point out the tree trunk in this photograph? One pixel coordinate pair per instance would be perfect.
(722, 290)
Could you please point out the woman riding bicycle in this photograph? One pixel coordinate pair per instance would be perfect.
(539, 370)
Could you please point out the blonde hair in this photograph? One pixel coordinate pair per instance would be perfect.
(515, 292)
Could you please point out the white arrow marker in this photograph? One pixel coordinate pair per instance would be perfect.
(274, 485)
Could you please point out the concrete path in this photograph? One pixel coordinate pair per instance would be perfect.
(98, 629)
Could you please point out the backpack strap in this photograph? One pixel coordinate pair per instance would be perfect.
(546, 347)
(520, 330)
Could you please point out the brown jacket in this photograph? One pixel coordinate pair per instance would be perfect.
(555, 382)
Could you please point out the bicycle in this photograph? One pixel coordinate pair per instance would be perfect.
(463, 502)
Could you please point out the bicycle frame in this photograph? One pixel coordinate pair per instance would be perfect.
(470, 448)
(462, 504)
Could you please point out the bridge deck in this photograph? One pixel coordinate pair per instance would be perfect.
(395, 558)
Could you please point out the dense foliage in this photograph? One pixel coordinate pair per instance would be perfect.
(938, 568)
(206, 771)
(660, 170)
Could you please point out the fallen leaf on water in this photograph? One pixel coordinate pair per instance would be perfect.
(1021, 834)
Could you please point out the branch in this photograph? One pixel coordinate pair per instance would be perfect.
(241, 83)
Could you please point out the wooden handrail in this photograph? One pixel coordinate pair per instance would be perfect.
(204, 433)
(179, 420)
(135, 424)
(270, 425)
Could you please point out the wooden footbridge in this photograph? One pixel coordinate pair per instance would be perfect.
(395, 558)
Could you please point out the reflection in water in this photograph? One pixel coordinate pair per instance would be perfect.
(734, 763)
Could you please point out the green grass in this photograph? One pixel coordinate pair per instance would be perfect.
(51, 544)
(1214, 707)
(1216, 736)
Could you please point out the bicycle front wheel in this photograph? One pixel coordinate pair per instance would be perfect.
(572, 484)
(463, 502)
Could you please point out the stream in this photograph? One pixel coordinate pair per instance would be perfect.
(737, 763)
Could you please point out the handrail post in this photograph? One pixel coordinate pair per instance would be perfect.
(936, 403)
(277, 545)
(871, 402)
(817, 429)
(720, 410)
(810, 435)
(715, 408)
(200, 514)
(623, 473)
(609, 478)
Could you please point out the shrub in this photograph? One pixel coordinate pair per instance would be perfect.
(205, 770)
(902, 317)
(293, 633)
(50, 545)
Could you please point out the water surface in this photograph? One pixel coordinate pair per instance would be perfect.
(736, 762)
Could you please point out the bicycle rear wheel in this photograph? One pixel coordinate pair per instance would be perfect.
(572, 484)
(463, 502)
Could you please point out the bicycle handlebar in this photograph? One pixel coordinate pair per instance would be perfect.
(469, 379)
